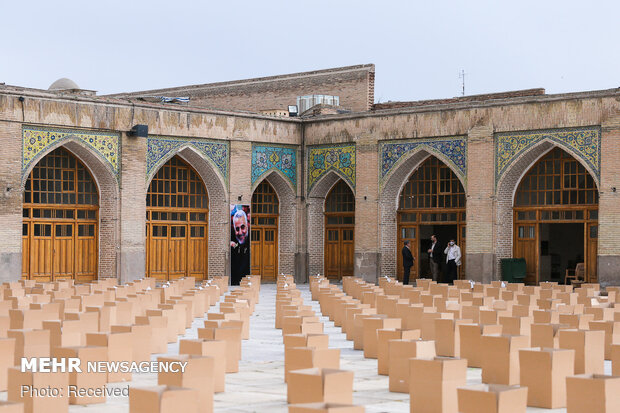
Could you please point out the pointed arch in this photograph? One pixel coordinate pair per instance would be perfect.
(109, 205)
(388, 202)
(218, 229)
(287, 219)
(507, 186)
(316, 220)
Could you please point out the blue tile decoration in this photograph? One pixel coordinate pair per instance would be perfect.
(325, 158)
(267, 158)
(36, 140)
(159, 147)
(582, 143)
(452, 149)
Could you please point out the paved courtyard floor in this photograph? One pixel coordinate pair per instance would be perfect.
(259, 386)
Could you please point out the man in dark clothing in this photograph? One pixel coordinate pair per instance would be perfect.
(407, 261)
(434, 258)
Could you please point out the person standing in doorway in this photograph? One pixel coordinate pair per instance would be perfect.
(434, 258)
(407, 261)
(453, 260)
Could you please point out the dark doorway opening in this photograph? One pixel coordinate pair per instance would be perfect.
(443, 233)
(561, 248)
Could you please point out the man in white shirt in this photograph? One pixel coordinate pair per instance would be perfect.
(453, 259)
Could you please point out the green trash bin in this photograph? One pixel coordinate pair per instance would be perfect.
(513, 269)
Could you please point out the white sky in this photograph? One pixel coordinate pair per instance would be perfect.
(418, 47)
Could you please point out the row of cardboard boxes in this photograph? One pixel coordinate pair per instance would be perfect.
(425, 337)
(97, 322)
(216, 352)
(315, 382)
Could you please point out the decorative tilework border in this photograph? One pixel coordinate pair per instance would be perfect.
(35, 140)
(452, 149)
(325, 158)
(159, 147)
(583, 143)
(267, 158)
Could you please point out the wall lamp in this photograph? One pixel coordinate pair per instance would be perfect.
(139, 131)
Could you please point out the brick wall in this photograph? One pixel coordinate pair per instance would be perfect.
(354, 85)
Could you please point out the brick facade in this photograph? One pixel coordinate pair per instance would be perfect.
(353, 84)
(301, 231)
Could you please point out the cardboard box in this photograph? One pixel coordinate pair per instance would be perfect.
(546, 335)
(592, 393)
(163, 399)
(433, 384)
(198, 375)
(500, 358)
(298, 358)
(383, 338)
(589, 349)
(140, 340)
(30, 343)
(46, 392)
(448, 336)
(7, 360)
(85, 379)
(492, 398)
(400, 351)
(325, 408)
(159, 332)
(612, 334)
(119, 347)
(306, 340)
(370, 327)
(12, 407)
(615, 360)
(470, 335)
(212, 348)
(320, 385)
(544, 372)
(232, 337)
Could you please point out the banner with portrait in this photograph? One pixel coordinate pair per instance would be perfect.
(239, 242)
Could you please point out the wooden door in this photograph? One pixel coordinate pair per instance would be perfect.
(86, 252)
(269, 253)
(25, 250)
(177, 251)
(177, 223)
(526, 246)
(197, 259)
(462, 243)
(42, 252)
(347, 252)
(332, 253)
(63, 257)
(158, 251)
(256, 258)
(591, 247)
(407, 233)
(60, 220)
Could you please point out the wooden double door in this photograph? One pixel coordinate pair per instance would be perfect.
(535, 239)
(58, 248)
(264, 247)
(339, 251)
(176, 250)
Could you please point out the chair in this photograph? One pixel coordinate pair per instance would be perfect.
(577, 275)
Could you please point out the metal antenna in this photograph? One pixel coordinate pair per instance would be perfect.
(462, 76)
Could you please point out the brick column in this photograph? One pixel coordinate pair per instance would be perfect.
(11, 197)
(479, 253)
(609, 204)
(240, 172)
(367, 255)
(132, 251)
(301, 237)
